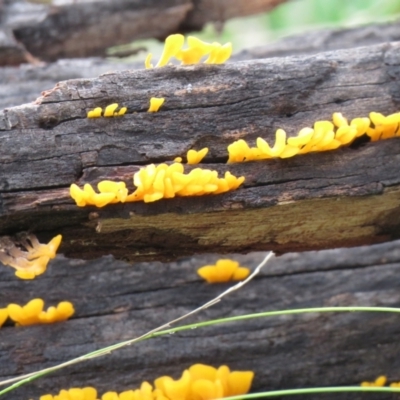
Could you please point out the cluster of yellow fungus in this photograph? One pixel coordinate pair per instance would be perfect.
(224, 270)
(195, 52)
(156, 182)
(200, 382)
(33, 260)
(86, 393)
(193, 156)
(325, 135)
(380, 381)
(32, 313)
(110, 111)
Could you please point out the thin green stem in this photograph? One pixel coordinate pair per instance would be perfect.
(332, 389)
(106, 350)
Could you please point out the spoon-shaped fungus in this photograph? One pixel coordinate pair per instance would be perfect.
(155, 104)
(324, 136)
(31, 262)
(32, 313)
(379, 382)
(110, 111)
(197, 49)
(224, 270)
(199, 382)
(194, 157)
(86, 393)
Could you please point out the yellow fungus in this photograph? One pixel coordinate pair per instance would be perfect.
(121, 112)
(172, 46)
(219, 54)
(155, 104)
(194, 157)
(110, 110)
(33, 261)
(3, 315)
(86, 393)
(32, 313)
(224, 270)
(178, 159)
(379, 382)
(96, 113)
(147, 62)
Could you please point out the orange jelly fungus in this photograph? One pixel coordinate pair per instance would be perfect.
(86, 393)
(34, 260)
(224, 270)
(155, 104)
(156, 182)
(32, 313)
(325, 135)
(196, 50)
(110, 111)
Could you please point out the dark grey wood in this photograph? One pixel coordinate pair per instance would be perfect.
(115, 301)
(87, 29)
(50, 144)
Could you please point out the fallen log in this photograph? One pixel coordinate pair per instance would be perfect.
(49, 145)
(115, 301)
(87, 29)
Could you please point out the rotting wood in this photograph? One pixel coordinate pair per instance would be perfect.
(23, 84)
(84, 29)
(115, 301)
(49, 145)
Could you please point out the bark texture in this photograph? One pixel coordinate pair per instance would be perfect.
(48, 145)
(86, 29)
(115, 301)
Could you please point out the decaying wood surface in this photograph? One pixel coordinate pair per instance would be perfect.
(23, 84)
(115, 301)
(85, 28)
(286, 205)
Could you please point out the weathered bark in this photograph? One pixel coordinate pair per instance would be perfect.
(85, 29)
(49, 145)
(115, 301)
(23, 84)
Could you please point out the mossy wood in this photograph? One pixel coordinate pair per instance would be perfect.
(345, 197)
(115, 301)
(87, 28)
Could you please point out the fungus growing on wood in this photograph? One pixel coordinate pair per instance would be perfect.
(379, 382)
(3, 315)
(201, 382)
(194, 157)
(224, 270)
(156, 182)
(197, 49)
(27, 255)
(155, 104)
(32, 313)
(110, 111)
(324, 136)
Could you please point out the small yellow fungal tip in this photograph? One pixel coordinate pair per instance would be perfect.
(110, 110)
(195, 157)
(172, 46)
(178, 159)
(379, 382)
(96, 113)
(121, 112)
(219, 54)
(3, 316)
(147, 62)
(224, 270)
(155, 104)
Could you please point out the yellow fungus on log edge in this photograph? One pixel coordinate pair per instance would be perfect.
(155, 104)
(33, 261)
(224, 270)
(379, 382)
(156, 182)
(325, 135)
(32, 313)
(197, 49)
(110, 111)
(200, 382)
